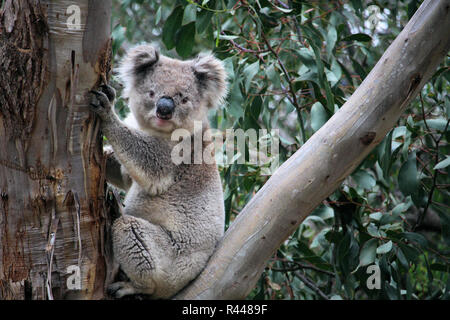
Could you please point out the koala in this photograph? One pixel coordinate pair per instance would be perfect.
(173, 214)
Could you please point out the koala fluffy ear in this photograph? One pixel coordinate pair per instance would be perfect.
(137, 60)
(211, 77)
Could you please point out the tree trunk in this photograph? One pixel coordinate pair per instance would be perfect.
(53, 219)
(329, 156)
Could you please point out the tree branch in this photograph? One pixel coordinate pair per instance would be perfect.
(327, 158)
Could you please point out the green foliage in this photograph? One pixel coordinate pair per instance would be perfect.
(291, 66)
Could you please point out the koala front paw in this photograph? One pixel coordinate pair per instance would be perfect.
(102, 101)
(109, 91)
(108, 151)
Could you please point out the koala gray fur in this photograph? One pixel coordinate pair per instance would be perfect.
(173, 214)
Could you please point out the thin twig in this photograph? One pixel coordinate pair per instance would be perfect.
(424, 117)
(288, 282)
(311, 285)
(294, 100)
(299, 265)
(242, 49)
(78, 208)
(296, 25)
(422, 215)
(282, 4)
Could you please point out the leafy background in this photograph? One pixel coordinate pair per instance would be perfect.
(291, 66)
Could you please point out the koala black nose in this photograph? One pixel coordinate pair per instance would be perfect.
(164, 108)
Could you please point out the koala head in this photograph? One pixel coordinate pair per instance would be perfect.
(166, 94)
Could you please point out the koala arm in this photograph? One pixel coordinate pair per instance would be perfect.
(116, 172)
(147, 159)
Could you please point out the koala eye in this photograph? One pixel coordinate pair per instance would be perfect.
(185, 100)
(151, 93)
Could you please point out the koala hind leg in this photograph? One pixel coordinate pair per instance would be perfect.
(121, 289)
(144, 252)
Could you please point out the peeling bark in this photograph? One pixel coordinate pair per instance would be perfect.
(52, 183)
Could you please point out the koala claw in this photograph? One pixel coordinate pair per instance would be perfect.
(109, 91)
(101, 103)
(120, 289)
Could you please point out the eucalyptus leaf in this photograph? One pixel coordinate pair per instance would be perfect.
(190, 14)
(368, 252)
(416, 237)
(203, 21)
(331, 39)
(385, 248)
(319, 116)
(408, 178)
(158, 16)
(376, 216)
(362, 37)
(443, 164)
(364, 180)
(249, 72)
(436, 124)
(185, 40)
(172, 25)
(227, 37)
(273, 76)
(447, 106)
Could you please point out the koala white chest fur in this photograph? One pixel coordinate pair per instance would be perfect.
(174, 214)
